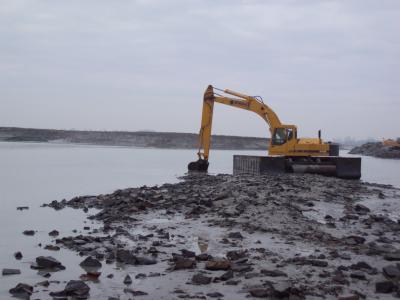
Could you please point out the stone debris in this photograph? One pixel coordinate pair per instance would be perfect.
(74, 288)
(22, 291)
(285, 236)
(11, 272)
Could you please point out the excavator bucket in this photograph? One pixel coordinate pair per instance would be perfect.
(200, 165)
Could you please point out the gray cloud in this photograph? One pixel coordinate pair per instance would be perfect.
(144, 64)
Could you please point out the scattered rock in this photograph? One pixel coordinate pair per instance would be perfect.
(354, 240)
(52, 247)
(48, 262)
(22, 290)
(18, 255)
(385, 287)
(201, 279)
(135, 293)
(127, 280)
(261, 293)
(215, 295)
(394, 256)
(358, 275)
(274, 273)
(90, 262)
(11, 272)
(215, 265)
(391, 271)
(54, 233)
(235, 235)
(236, 254)
(227, 275)
(22, 208)
(29, 232)
(184, 263)
(74, 288)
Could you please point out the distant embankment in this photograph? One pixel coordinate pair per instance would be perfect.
(168, 140)
(377, 150)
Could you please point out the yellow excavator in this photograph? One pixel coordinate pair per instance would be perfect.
(287, 152)
(392, 143)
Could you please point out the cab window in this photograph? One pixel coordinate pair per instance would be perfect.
(279, 137)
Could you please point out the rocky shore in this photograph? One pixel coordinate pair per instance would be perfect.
(377, 150)
(146, 139)
(286, 236)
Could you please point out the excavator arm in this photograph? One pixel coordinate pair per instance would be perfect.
(242, 101)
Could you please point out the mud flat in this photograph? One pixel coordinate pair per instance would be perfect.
(228, 237)
(377, 150)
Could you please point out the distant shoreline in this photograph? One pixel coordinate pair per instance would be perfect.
(137, 139)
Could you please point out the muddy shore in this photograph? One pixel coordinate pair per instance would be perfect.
(227, 237)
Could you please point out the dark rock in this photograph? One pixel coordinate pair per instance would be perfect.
(52, 247)
(48, 262)
(29, 232)
(391, 271)
(74, 288)
(22, 291)
(125, 256)
(354, 240)
(54, 233)
(394, 256)
(18, 255)
(110, 276)
(358, 275)
(22, 207)
(45, 283)
(361, 209)
(128, 257)
(232, 282)
(188, 254)
(236, 254)
(135, 293)
(140, 276)
(235, 235)
(11, 272)
(43, 273)
(261, 293)
(351, 297)
(90, 262)
(385, 287)
(215, 295)
(215, 265)
(201, 279)
(184, 263)
(274, 273)
(127, 280)
(227, 275)
(204, 257)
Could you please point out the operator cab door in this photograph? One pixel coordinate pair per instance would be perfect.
(281, 139)
(282, 135)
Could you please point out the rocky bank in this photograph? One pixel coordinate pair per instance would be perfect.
(288, 236)
(147, 139)
(377, 150)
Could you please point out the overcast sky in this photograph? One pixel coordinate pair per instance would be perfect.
(144, 64)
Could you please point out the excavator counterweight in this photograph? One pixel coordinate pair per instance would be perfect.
(287, 152)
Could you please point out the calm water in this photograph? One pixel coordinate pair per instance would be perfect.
(34, 173)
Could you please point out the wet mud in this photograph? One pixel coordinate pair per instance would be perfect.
(289, 236)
